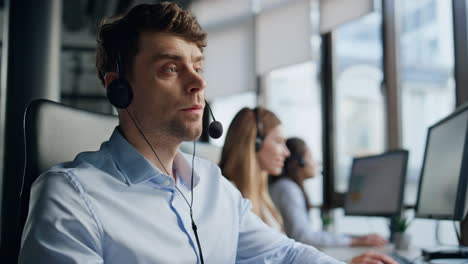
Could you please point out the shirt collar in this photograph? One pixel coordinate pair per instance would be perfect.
(137, 169)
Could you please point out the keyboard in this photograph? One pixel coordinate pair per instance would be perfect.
(399, 258)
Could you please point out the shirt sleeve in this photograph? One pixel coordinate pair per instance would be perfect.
(258, 243)
(290, 201)
(61, 226)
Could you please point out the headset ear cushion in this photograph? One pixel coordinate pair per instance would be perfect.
(258, 143)
(120, 93)
(301, 162)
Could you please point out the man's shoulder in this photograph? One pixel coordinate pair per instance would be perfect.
(86, 166)
(70, 169)
(88, 160)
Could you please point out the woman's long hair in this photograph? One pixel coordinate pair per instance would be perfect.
(298, 148)
(239, 162)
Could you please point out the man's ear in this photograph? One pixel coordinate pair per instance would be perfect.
(109, 77)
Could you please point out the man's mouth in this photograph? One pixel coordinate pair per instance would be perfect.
(193, 108)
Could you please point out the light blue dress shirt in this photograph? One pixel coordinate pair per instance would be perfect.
(289, 199)
(113, 206)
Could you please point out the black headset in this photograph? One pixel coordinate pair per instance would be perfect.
(259, 125)
(119, 92)
(300, 161)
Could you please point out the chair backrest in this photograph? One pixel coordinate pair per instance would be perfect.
(56, 133)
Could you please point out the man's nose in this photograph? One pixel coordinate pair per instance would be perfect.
(196, 82)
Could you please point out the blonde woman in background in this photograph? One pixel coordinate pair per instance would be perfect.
(255, 147)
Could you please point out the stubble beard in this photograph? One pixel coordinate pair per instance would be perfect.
(185, 132)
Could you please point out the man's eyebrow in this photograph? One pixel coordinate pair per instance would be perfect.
(169, 56)
(162, 56)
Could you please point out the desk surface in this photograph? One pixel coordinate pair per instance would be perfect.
(347, 253)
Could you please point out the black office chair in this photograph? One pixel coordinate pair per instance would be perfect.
(56, 133)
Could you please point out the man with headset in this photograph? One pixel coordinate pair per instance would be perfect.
(138, 199)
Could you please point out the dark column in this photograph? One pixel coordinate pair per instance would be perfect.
(391, 84)
(30, 70)
(460, 41)
(328, 129)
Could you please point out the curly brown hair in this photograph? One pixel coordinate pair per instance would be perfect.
(119, 35)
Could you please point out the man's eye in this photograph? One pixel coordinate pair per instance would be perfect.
(170, 69)
(199, 70)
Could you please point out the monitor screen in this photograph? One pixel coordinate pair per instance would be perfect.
(442, 167)
(376, 184)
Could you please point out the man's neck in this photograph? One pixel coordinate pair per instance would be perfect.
(165, 147)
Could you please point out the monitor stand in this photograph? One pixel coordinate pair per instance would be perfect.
(445, 253)
(442, 254)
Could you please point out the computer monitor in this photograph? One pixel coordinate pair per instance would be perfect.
(442, 185)
(376, 184)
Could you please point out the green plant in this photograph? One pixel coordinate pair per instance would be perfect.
(326, 220)
(399, 224)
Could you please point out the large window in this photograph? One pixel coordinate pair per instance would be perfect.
(428, 91)
(294, 95)
(359, 119)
